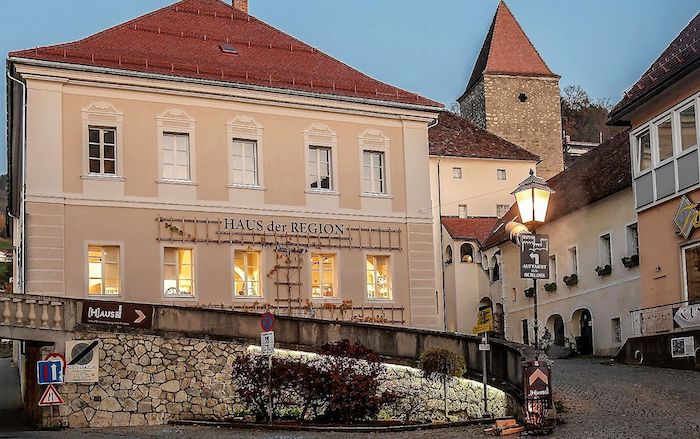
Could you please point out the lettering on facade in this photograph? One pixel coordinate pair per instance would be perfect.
(257, 225)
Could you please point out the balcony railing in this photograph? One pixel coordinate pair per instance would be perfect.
(660, 319)
(35, 312)
(344, 311)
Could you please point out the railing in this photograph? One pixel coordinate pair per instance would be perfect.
(660, 319)
(36, 312)
(342, 312)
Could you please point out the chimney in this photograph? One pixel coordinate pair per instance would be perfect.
(241, 5)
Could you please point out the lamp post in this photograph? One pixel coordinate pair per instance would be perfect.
(532, 198)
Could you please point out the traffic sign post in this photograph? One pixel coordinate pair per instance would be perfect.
(49, 372)
(50, 397)
(534, 264)
(267, 348)
(267, 322)
(484, 347)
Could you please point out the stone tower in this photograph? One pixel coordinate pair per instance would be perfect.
(513, 94)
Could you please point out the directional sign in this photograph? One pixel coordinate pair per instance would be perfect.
(50, 397)
(687, 316)
(49, 372)
(534, 256)
(537, 377)
(267, 322)
(133, 315)
(83, 358)
(267, 343)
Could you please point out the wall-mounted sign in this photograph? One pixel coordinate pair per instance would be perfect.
(687, 217)
(271, 226)
(683, 347)
(687, 316)
(98, 312)
(83, 361)
(534, 256)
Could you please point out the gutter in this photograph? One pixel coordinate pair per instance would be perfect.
(234, 85)
(21, 258)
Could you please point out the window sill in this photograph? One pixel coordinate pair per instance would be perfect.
(180, 299)
(105, 297)
(246, 187)
(179, 182)
(334, 300)
(248, 298)
(102, 177)
(375, 195)
(322, 192)
(685, 152)
(381, 301)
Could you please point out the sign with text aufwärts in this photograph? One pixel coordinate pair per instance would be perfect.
(534, 256)
(82, 361)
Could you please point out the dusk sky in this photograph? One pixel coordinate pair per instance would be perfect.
(423, 46)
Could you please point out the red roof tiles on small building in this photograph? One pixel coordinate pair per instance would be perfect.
(508, 51)
(681, 57)
(477, 228)
(456, 136)
(185, 40)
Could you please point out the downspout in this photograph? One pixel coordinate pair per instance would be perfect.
(23, 186)
(442, 245)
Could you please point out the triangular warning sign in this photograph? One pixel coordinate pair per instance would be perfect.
(50, 397)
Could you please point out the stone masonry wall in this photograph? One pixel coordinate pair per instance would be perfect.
(149, 380)
(534, 124)
(473, 105)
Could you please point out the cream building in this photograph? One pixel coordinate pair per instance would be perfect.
(217, 161)
(593, 258)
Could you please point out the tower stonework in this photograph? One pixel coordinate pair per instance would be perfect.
(513, 94)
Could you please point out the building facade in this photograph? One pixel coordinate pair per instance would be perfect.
(512, 93)
(144, 171)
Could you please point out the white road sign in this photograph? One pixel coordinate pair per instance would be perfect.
(83, 361)
(267, 343)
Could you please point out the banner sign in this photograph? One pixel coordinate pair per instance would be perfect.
(534, 256)
(537, 377)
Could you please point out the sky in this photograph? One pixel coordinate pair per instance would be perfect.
(425, 46)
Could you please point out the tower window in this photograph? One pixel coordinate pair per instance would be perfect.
(522, 97)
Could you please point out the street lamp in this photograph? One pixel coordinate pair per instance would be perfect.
(532, 198)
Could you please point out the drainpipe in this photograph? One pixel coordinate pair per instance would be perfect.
(442, 245)
(21, 272)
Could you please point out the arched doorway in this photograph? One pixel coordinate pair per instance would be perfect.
(582, 329)
(555, 325)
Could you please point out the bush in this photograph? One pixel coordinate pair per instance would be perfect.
(442, 364)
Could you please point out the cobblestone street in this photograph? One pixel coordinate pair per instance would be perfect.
(600, 401)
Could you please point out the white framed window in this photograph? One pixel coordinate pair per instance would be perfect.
(462, 211)
(553, 268)
(456, 173)
(323, 276)
(664, 140)
(247, 274)
(605, 249)
(374, 175)
(378, 275)
(178, 272)
(502, 210)
(632, 239)
(320, 168)
(688, 127)
(176, 156)
(643, 151)
(244, 160)
(104, 270)
(102, 150)
(501, 174)
(573, 259)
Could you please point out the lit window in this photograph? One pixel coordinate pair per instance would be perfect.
(246, 277)
(176, 156)
(378, 282)
(689, 135)
(632, 240)
(573, 259)
(456, 173)
(102, 158)
(643, 151)
(245, 162)
(502, 210)
(500, 174)
(323, 276)
(178, 272)
(605, 250)
(103, 270)
(665, 136)
(374, 173)
(320, 168)
(462, 210)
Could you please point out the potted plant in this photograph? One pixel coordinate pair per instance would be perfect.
(530, 292)
(631, 261)
(603, 271)
(572, 280)
(550, 287)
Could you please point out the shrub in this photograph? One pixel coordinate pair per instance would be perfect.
(441, 364)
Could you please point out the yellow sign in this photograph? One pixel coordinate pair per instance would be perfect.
(484, 322)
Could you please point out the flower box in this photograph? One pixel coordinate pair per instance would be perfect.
(551, 287)
(530, 292)
(603, 271)
(572, 280)
(631, 261)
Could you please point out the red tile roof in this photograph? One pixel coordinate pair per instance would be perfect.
(456, 136)
(681, 57)
(507, 50)
(185, 39)
(598, 174)
(477, 228)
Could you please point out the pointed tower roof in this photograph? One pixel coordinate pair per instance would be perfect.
(507, 50)
(210, 40)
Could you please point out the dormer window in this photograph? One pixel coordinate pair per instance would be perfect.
(227, 48)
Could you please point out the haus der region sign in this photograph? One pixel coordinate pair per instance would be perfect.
(534, 256)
